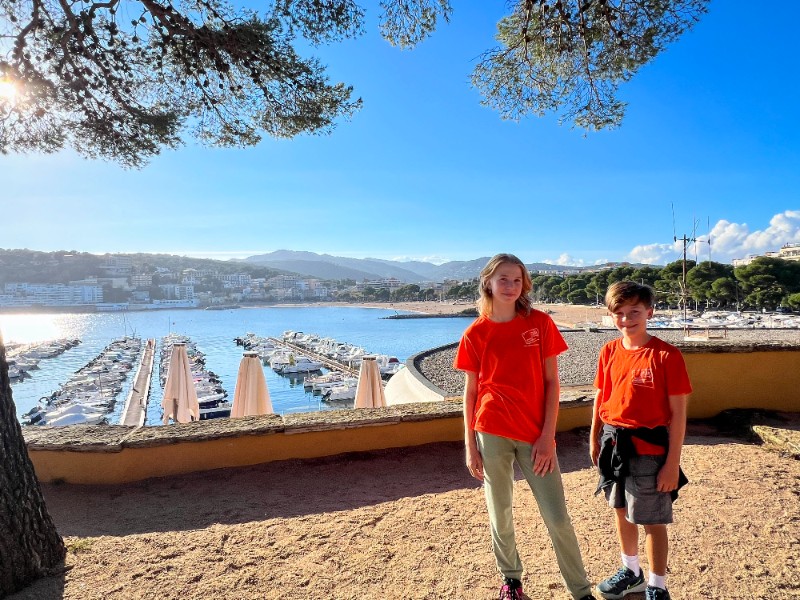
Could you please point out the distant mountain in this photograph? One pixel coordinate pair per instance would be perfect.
(326, 266)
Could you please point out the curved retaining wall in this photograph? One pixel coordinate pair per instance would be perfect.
(724, 376)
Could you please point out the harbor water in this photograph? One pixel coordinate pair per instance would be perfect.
(214, 331)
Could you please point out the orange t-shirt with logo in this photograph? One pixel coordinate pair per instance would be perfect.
(635, 386)
(509, 360)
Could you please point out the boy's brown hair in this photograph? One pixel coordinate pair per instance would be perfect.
(629, 292)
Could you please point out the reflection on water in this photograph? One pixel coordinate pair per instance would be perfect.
(214, 332)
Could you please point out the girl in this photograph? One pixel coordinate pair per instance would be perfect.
(509, 358)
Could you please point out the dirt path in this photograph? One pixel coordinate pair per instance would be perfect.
(410, 524)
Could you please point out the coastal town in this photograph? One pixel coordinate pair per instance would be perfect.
(120, 282)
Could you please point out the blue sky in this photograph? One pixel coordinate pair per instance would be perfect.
(424, 172)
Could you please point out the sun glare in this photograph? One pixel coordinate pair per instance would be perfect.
(8, 90)
(27, 328)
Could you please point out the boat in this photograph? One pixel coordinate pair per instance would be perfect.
(301, 364)
(211, 396)
(90, 394)
(341, 392)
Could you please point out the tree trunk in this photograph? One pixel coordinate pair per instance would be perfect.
(30, 546)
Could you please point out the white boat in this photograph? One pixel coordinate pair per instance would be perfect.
(388, 365)
(301, 364)
(341, 392)
(73, 414)
(89, 396)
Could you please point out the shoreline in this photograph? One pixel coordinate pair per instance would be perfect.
(564, 315)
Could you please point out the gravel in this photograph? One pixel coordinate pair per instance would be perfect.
(577, 365)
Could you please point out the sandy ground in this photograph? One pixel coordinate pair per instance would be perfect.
(567, 315)
(411, 523)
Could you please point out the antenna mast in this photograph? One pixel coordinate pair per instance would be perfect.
(684, 291)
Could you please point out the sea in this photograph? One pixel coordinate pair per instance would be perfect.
(214, 332)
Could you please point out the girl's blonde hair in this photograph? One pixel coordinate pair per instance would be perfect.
(484, 288)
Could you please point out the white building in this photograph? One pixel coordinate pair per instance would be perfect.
(50, 294)
(177, 292)
(787, 252)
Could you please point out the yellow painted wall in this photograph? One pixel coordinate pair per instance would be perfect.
(768, 380)
(134, 464)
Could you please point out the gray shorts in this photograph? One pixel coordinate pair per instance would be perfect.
(638, 493)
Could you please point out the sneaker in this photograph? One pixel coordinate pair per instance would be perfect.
(511, 590)
(656, 593)
(622, 583)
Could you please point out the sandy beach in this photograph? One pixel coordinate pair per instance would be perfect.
(566, 315)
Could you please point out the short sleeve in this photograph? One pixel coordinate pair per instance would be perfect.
(466, 357)
(554, 343)
(599, 376)
(677, 376)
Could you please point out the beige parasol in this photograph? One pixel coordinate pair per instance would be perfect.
(369, 392)
(180, 396)
(251, 396)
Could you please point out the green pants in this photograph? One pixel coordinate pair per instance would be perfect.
(498, 454)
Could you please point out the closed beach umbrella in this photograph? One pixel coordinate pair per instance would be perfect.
(369, 392)
(251, 396)
(180, 396)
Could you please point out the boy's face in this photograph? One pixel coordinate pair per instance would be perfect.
(631, 318)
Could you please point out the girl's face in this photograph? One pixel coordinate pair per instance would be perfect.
(506, 283)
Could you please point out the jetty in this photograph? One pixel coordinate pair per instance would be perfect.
(328, 362)
(136, 404)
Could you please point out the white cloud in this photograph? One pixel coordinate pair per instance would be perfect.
(654, 254)
(434, 259)
(728, 241)
(564, 260)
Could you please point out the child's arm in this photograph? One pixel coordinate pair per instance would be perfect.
(668, 475)
(474, 460)
(596, 429)
(543, 455)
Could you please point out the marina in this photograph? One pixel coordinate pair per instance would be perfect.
(297, 353)
(211, 396)
(90, 394)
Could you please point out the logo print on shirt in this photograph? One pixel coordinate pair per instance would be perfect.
(642, 377)
(531, 337)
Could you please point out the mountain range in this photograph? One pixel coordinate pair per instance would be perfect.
(326, 266)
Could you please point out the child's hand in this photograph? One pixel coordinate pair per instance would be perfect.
(474, 462)
(594, 449)
(543, 456)
(667, 479)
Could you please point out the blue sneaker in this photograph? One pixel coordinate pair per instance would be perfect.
(656, 593)
(622, 583)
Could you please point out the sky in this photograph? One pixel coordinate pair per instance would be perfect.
(709, 148)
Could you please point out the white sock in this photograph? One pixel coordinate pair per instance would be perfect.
(632, 563)
(659, 581)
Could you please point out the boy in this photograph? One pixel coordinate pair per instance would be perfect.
(638, 427)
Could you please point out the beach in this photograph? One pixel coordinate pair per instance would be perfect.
(565, 315)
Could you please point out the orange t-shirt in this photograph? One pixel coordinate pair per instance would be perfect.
(509, 360)
(635, 386)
